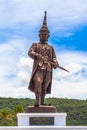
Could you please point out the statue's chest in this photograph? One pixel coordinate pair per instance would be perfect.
(43, 50)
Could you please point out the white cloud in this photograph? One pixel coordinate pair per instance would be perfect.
(67, 13)
(65, 56)
(75, 62)
(72, 84)
(64, 89)
(68, 34)
(24, 71)
(10, 54)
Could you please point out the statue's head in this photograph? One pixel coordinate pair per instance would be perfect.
(44, 32)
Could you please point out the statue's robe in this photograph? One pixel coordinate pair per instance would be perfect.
(36, 48)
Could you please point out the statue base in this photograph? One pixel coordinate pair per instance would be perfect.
(41, 119)
(41, 116)
(41, 109)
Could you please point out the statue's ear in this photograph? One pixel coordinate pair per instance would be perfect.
(48, 35)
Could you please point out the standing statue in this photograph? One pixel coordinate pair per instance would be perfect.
(44, 61)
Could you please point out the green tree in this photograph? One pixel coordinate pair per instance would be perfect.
(4, 115)
(18, 109)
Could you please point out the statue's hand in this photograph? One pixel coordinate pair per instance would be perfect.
(55, 65)
(39, 56)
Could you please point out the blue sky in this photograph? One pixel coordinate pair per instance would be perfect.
(20, 22)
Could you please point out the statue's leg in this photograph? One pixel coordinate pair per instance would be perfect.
(38, 99)
(46, 82)
(43, 90)
(42, 97)
(38, 82)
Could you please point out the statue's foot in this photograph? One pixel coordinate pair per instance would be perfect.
(36, 105)
(45, 104)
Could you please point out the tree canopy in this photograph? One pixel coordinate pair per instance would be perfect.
(76, 109)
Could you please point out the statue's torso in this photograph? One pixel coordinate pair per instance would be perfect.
(45, 51)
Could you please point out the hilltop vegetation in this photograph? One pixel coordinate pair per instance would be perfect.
(76, 109)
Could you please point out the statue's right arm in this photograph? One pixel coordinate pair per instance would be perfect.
(33, 53)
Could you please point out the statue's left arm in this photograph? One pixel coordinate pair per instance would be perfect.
(54, 59)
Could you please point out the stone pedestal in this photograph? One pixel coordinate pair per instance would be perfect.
(41, 109)
(41, 119)
(41, 116)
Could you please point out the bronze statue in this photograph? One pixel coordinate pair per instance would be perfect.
(44, 62)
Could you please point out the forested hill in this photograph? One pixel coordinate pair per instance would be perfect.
(76, 109)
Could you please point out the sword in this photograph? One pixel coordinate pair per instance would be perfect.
(60, 67)
(46, 59)
(63, 68)
(54, 64)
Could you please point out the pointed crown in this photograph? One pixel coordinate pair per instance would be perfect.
(44, 27)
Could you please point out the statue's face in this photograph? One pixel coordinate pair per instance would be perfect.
(43, 36)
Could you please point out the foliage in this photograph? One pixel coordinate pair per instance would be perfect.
(76, 109)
